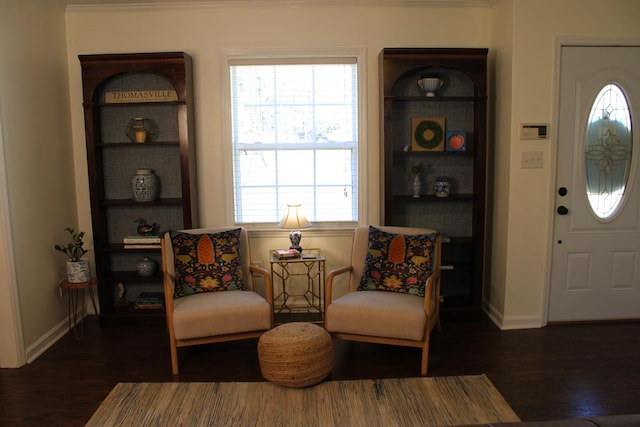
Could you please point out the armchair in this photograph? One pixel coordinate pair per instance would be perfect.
(403, 318)
(209, 289)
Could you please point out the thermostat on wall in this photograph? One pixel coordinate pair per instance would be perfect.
(534, 131)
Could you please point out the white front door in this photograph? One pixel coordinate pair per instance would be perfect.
(595, 268)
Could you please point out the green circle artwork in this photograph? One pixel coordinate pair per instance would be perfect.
(428, 134)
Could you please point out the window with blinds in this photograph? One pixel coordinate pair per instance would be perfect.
(294, 126)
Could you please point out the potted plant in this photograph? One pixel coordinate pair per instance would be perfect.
(417, 169)
(77, 268)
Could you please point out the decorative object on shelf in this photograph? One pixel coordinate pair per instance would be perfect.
(142, 240)
(442, 186)
(121, 294)
(78, 270)
(147, 267)
(145, 185)
(294, 220)
(122, 290)
(416, 171)
(427, 134)
(135, 96)
(141, 130)
(417, 185)
(430, 84)
(145, 229)
(456, 140)
(149, 301)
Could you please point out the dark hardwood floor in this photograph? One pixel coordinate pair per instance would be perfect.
(562, 371)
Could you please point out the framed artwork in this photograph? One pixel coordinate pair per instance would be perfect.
(456, 140)
(427, 134)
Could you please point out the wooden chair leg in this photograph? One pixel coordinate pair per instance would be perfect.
(425, 356)
(174, 358)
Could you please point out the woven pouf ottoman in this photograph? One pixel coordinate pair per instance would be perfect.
(297, 354)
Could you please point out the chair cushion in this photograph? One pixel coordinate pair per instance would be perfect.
(397, 262)
(220, 313)
(378, 314)
(207, 262)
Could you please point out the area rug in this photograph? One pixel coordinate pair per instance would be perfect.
(432, 401)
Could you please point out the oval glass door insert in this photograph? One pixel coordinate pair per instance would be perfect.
(608, 147)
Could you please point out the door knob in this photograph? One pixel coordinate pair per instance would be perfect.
(562, 191)
(562, 210)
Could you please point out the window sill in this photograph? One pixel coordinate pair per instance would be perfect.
(265, 230)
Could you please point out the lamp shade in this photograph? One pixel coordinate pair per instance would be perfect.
(294, 219)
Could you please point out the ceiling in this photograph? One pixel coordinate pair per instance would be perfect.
(281, 2)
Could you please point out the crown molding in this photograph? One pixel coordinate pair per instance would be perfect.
(98, 5)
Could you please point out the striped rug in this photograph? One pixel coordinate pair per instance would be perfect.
(432, 401)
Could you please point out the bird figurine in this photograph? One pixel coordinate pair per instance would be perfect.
(145, 229)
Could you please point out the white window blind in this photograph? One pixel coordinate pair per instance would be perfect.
(295, 139)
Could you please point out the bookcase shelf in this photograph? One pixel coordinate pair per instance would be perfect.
(461, 104)
(112, 160)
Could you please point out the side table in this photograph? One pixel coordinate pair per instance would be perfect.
(76, 298)
(308, 271)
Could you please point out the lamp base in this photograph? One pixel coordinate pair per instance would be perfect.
(295, 237)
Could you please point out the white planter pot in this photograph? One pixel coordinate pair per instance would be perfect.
(78, 271)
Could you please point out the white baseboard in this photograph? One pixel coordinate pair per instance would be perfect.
(511, 322)
(48, 340)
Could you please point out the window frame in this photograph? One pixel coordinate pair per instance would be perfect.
(284, 56)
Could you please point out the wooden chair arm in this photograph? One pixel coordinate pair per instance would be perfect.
(268, 284)
(432, 291)
(328, 287)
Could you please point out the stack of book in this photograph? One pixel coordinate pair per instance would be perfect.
(150, 301)
(286, 254)
(142, 242)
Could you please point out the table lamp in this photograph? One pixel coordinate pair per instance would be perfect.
(294, 220)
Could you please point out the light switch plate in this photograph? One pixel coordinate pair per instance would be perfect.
(531, 160)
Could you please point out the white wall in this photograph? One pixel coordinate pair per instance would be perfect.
(205, 31)
(34, 103)
(500, 101)
(522, 37)
(524, 210)
(42, 164)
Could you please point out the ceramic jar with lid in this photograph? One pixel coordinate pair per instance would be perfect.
(145, 185)
(147, 267)
(442, 186)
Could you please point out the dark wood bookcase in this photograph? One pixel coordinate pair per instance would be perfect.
(157, 87)
(460, 217)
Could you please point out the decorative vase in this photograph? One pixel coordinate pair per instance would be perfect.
(430, 85)
(417, 185)
(442, 186)
(139, 132)
(140, 129)
(147, 267)
(145, 185)
(78, 271)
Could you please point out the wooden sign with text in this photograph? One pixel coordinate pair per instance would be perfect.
(133, 96)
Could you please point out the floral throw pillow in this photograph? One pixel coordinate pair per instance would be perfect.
(207, 262)
(397, 262)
